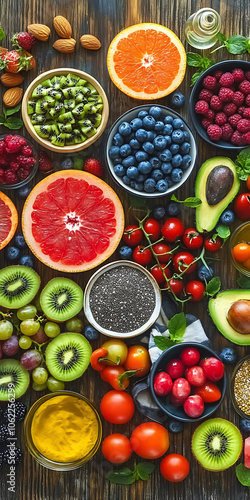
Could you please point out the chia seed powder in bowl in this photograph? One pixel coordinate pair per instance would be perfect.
(122, 299)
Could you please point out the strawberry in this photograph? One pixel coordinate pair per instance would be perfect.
(23, 40)
(94, 167)
(14, 61)
(44, 163)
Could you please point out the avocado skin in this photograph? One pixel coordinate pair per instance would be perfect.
(218, 307)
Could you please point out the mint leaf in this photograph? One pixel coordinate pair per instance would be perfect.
(122, 476)
(244, 282)
(194, 59)
(221, 37)
(223, 231)
(243, 474)
(11, 111)
(206, 63)
(163, 343)
(2, 34)
(213, 286)
(144, 469)
(13, 123)
(196, 76)
(177, 326)
(191, 202)
(243, 164)
(236, 44)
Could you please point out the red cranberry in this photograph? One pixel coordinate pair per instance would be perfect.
(162, 384)
(213, 369)
(190, 356)
(175, 368)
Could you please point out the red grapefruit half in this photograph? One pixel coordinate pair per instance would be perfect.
(72, 221)
(8, 220)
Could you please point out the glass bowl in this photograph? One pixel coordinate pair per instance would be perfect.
(33, 172)
(39, 457)
(240, 235)
(243, 387)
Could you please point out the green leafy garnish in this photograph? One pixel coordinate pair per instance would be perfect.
(213, 286)
(197, 61)
(222, 231)
(127, 476)
(235, 44)
(244, 282)
(2, 34)
(9, 121)
(243, 475)
(176, 327)
(243, 164)
(191, 202)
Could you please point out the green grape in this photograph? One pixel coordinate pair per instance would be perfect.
(6, 329)
(55, 385)
(27, 312)
(25, 342)
(29, 327)
(38, 387)
(51, 329)
(40, 375)
(74, 325)
(37, 303)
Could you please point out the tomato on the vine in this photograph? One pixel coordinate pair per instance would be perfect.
(142, 255)
(162, 251)
(176, 286)
(153, 229)
(132, 235)
(173, 229)
(192, 239)
(150, 440)
(241, 252)
(138, 359)
(117, 352)
(117, 407)
(157, 272)
(196, 289)
(212, 245)
(181, 262)
(117, 448)
(174, 467)
(242, 206)
(111, 375)
(209, 392)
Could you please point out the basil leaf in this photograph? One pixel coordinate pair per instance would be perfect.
(11, 111)
(144, 469)
(2, 34)
(243, 474)
(213, 286)
(177, 326)
(221, 37)
(13, 123)
(191, 202)
(244, 282)
(223, 231)
(122, 476)
(163, 343)
(194, 59)
(137, 201)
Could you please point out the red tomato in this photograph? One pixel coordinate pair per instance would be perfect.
(241, 252)
(153, 229)
(138, 359)
(162, 251)
(176, 286)
(142, 255)
(174, 467)
(248, 183)
(242, 206)
(173, 229)
(157, 272)
(150, 440)
(212, 245)
(117, 448)
(192, 239)
(132, 235)
(196, 289)
(209, 392)
(117, 407)
(181, 262)
(111, 375)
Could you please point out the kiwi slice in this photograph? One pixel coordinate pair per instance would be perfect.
(61, 299)
(12, 372)
(217, 444)
(18, 286)
(68, 356)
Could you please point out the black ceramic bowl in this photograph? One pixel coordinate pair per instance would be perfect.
(163, 401)
(197, 118)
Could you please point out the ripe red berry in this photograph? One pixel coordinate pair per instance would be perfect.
(24, 40)
(94, 167)
(218, 74)
(209, 83)
(225, 94)
(226, 80)
(201, 107)
(246, 138)
(238, 98)
(213, 369)
(246, 113)
(238, 75)
(244, 87)
(216, 103)
(44, 162)
(175, 368)
(10, 177)
(205, 95)
(214, 132)
(247, 75)
(205, 123)
(243, 126)
(162, 384)
(230, 109)
(210, 115)
(248, 100)
(190, 356)
(220, 119)
(234, 120)
(237, 138)
(194, 406)
(227, 132)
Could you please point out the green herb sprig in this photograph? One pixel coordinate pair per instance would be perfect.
(243, 475)
(11, 122)
(2, 34)
(176, 327)
(236, 44)
(191, 202)
(199, 62)
(243, 164)
(127, 476)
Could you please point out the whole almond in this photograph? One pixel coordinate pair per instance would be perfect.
(11, 79)
(39, 31)
(65, 45)
(62, 27)
(3, 50)
(12, 97)
(90, 42)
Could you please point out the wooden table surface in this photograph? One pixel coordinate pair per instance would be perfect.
(105, 19)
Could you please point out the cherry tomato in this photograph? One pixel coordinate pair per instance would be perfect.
(153, 229)
(162, 251)
(196, 289)
(138, 359)
(117, 407)
(150, 440)
(192, 239)
(117, 352)
(142, 255)
(132, 235)
(242, 206)
(117, 448)
(173, 229)
(212, 245)
(176, 286)
(246, 263)
(181, 262)
(248, 183)
(174, 467)
(241, 252)
(111, 375)
(209, 392)
(157, 272)
(95, 356)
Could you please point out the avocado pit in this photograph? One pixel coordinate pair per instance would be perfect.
(219, 183)
(238, 316)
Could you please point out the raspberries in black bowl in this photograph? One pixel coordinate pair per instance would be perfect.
(18, 161)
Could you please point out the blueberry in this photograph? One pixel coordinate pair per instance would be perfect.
(227, 217)
(155, 162)
(124, 129)
(176, 175)
(130, 137)
(132, 172)
(173, 208)
(245, 425)
(177, 100)
(185, 148)
(228, 355)
(168, 119)
(151, 135)
(141, 135)
(23, 192)
(205, 274)
(114, 152)
(175, 425)
(141, 156)
(67, 163)
(165, 155)
(117, 160)
(134, 144)
(186, 162)
(126, 180)
(12, 254)
(138, 186)
(144, 167)
(159, 212)
(125, 150)
(157, 174)
(132, 184)
(178, 124)
(142, 114)
(177, 136)
(159, 126)
(149, 185)
(20, 241)
(135, 124)
(160, 142)
(129, 161)
(155, 111)
(177, 161)
(26, 260)
(118, 140)
(162, 186)
(166, 168)
(186, 136)
(169, 181)
(148, 122)
(91, 333)
(148, 147)
(174, 148)
(119, 170)
(168, 140)
(167, 129)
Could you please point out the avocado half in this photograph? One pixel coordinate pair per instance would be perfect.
(218, 308)
(209, 211)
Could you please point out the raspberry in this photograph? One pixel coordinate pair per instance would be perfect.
(44, 163)
(227, 132)
(220, 119)
(241, 110)
(218, 74)
(22, 173)
(244, 87)
(10, 177)
(2, 172)
(24, 40)
(214, 132)
(243, 126)
(94, 167)
(230, 109)
(209, 83)
(248, 100)
(14, 143)
(246, 113)
(234, 120)
(205, 123)
(238, 75)
(205, 95)
(4, 159)
(247, 75)
(237, 139)
(27, 151)
(201, 107)
(14, 166)
(238, 98)
(2, 147)
(215, 103)
(246, 138)
(226, 80)
(210, 115)
(225, 94)
(26, 161)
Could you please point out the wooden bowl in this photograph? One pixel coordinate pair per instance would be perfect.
(44, 142)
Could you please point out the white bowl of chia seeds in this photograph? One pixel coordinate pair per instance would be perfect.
(122, 300)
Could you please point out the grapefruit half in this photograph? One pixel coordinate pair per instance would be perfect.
(72, 221)
(8, 220)
(146, 61)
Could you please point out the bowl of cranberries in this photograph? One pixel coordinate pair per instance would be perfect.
(220, 105)
(188, 381)
(18, 161)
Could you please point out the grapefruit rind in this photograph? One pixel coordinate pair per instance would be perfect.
(27, 220)
(166, 67)
(13, 217)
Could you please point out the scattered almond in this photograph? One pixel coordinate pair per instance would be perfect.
(11, 79)
(3, 50)
(65, 45)
(39, 31)
(62, 27)
(12, 97)
(90, 42)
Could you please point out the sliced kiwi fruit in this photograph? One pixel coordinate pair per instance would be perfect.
(43, 130)
(69, 104)
(46, 83)
(217, 444)
(14, 375)
(61, 299)
(68, 356)
(38, 119)
(18, 286)
(39, 91)
(31, 107)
